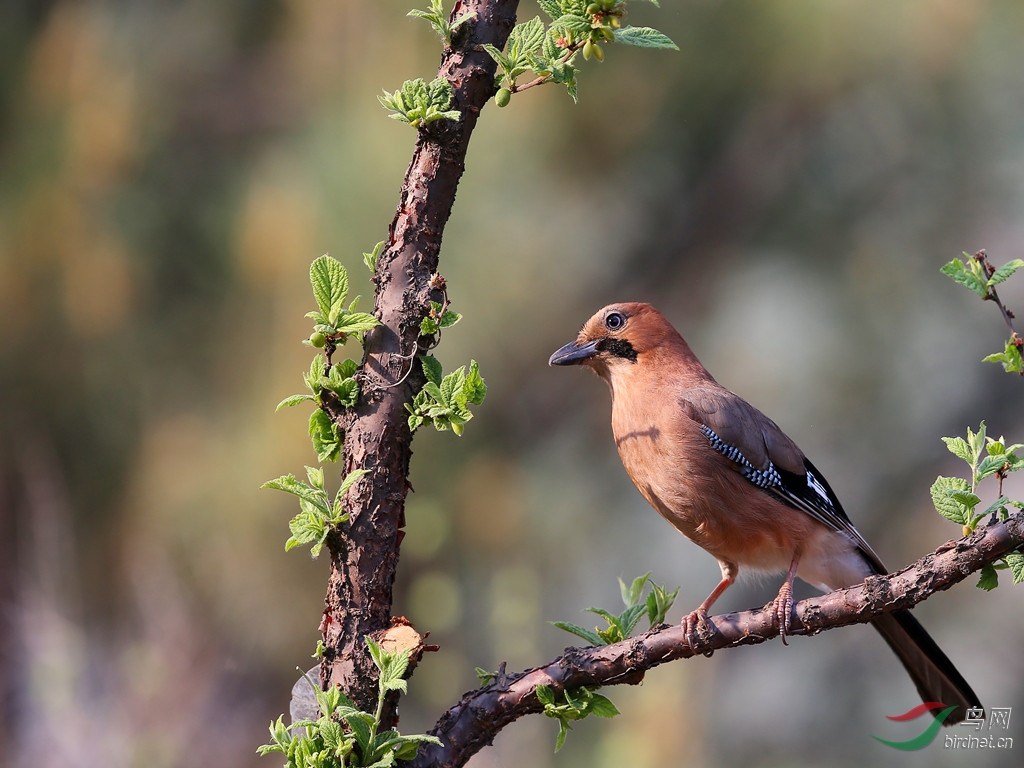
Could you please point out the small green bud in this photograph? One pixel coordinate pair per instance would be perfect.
(607, 34)
(317, 339)
(598, 53)
(593, 9)
(588, 50)
(502, 97)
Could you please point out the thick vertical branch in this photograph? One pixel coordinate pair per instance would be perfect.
(364, 557)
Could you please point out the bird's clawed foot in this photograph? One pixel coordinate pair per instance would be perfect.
(695, 625)
(782, 610)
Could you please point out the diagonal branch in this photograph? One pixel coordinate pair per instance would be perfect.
(481, 714)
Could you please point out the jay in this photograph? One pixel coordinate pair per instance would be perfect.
(732, 482)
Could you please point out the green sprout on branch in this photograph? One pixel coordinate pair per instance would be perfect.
(445, 400)
(345, 736)
(575, 705)
(418, 103)
(654, 606)
(976, 273)
(957, 499)
(549, 51)
(318, 513)
(438, 19)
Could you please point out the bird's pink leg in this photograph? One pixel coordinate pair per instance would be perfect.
(782, 606)
(700, 616)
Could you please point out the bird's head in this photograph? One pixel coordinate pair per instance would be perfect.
(617, 338)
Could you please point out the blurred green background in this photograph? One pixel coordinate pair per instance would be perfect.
(785, 189)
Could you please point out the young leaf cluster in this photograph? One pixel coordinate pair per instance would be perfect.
(335, 321)
(549, 50)
(971, 274)
(344, 736)
(334, 324)
(439, 318)
(445, 400)
(331, 318)
(317, 512)
(575, 705)
(370, 259)
(654, 606)
(419, 103)
(438, 19)
(976, 274)
(957, 499)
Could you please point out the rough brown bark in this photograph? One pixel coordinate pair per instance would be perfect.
(364, 556)
(481, 714)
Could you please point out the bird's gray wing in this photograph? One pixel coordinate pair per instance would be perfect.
(769, 459)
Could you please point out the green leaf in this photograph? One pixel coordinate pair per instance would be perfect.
(989, 466)
(545, 695)
(644, 37)
(291, 400)
(315, 475)
(563, 730)
(353, 322)
(995, 506)
(628, 619)
(1010, 358)
(1005, 271)
(959, 448)
(589, 635)
(346, 368)
(485, 677)
(1015, 560)
(945, 505)
(450, 384)
(449, 318)
(966, 498)
(440, 93)
(525, 37)
(989, 578)
(349, 481)
(370, 259)
(474, 387)
(977, 440)
(330, 284)
(551, 8)
(325, 436)
(631, 594)
(571, 22)
(289, 484)
(347, 391)
(500, 58)
(959, 272)
(307, 527)
(316, 370)
(995, 447)
(602, 706)
(362, 732)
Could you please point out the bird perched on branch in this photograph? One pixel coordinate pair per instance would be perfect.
(732, 482)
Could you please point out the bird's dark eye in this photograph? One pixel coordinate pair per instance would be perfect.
(614, 321)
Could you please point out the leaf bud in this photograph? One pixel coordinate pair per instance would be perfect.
(502, 97)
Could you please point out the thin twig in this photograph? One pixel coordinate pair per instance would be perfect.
(1008, 316)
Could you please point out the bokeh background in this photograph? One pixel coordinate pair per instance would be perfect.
(785, 188)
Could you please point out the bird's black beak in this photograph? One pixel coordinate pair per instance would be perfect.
(573, 353)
